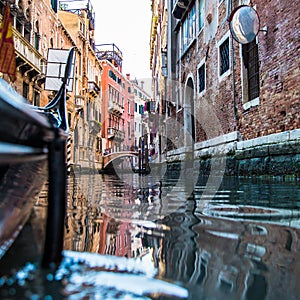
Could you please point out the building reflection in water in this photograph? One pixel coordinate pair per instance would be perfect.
(214, 257)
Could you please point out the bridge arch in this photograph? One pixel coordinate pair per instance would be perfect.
(109, 158)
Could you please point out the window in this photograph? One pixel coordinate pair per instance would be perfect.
(51, 43)
(25, 89)
(224, 57)
(135, 107)
(189, 28)
(201, 78)
(141, 109)
(251, 69)
(27, 32)
(54, 5)
(112, 75)
(19, 26)
(37, 36)
(201, 14)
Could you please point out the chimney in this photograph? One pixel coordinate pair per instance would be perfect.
(142, 84)
(128, 76)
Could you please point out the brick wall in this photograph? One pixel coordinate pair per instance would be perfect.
(279, 106)
(220, 109)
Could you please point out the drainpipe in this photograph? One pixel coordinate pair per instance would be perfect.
(235, 110)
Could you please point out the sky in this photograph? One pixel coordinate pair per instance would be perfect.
(127, 24)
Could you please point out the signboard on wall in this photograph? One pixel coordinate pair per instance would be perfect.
(56, 65)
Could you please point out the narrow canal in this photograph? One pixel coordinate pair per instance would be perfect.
(145, 237)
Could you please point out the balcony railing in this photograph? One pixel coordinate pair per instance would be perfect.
(109, 52)
(28, 54)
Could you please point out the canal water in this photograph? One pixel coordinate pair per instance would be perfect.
(131, 236)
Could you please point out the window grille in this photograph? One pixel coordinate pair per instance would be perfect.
(224, 56)
(251, 63)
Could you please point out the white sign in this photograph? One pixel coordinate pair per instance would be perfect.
(55, 72)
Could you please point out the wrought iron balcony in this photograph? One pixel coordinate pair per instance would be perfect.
(109, 52)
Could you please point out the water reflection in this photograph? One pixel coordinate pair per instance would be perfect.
(217, 250)
(143, 237)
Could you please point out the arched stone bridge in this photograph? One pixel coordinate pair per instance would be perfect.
(108, 158)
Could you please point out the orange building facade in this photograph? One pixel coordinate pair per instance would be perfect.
(117, 109)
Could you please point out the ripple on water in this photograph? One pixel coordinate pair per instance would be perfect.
(83, 275)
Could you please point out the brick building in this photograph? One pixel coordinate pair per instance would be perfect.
(42, 25)
(39, 26)
(87, 102)
(238, 100)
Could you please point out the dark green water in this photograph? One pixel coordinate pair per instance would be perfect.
(151, 237)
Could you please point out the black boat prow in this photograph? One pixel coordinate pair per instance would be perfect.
(32, 150)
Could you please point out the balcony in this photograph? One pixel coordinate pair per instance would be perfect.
(180, 7)
(93, 88)
(115, 108)
(29, 61)
(111, 53)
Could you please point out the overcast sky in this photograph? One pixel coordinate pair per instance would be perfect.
(127, 24)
